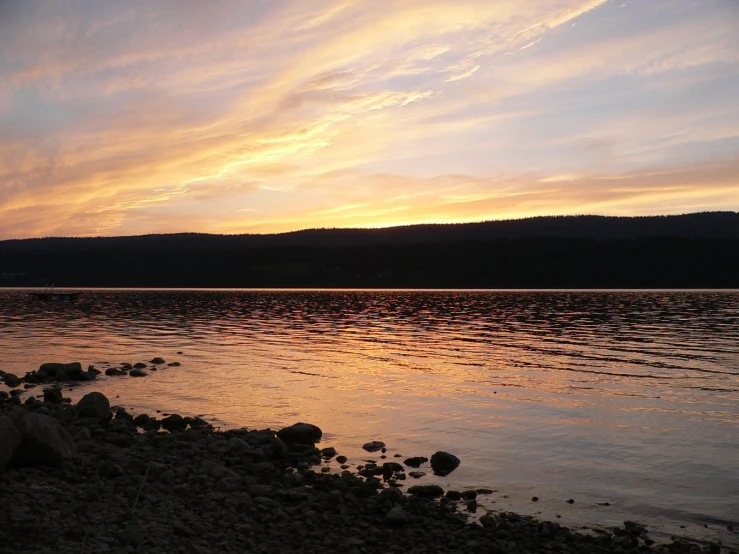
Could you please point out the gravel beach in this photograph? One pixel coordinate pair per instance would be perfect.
(91, 478)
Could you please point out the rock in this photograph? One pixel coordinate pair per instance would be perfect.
(174, 364)
(61, 375)
(341, 459)
(443, 463)
(133, 534)
(488, 521)
(397, 516)
(121, 413)
(114, 371)
(138, 373)
(469, 495)
(301, 433)
(157, 360)
(426, 491)
(416, 461)
(139, 365)
(417, 474)
(391, 467)
(53, 396)
(12, 380)
(174, 422)
(453, 495)
(94, 404)
(329, 452)
(373, 446)
(10, 438)
(142, 420)
(391, 494)
(109, 470)
(72, 369)
(43, 440)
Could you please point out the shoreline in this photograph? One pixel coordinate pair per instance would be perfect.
(122, 484)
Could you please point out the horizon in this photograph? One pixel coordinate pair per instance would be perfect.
(267, 118)
(307, 229)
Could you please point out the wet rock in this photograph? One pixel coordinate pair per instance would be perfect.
(114, 371)
(417, 474)
(415, 461)
(10, 438)
(426, 491)
(12, 380)
(469, 495)
(61, 375)
(43, 440)
(138, 373)
(139, 365)
(454, 495)
(329, 452)
(157, 360)
(373, 446)
(174, 422)
(444, 463)
(301, 433)
(53, 396)
(94, 404)
(53, 368)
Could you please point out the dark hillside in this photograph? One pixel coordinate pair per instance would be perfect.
(690, 251)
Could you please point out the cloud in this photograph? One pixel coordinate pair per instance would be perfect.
(140, 116)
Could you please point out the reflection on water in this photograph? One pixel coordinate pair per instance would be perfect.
(630, 398)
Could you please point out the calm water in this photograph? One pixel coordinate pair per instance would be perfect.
(629, 398)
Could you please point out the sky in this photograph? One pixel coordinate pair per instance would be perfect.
(130, 117)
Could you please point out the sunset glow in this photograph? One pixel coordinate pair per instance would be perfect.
(133, 117)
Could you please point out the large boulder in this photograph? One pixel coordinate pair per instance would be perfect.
(301, 433)
(94, 404)
(72, 370)
(43, 440)
(444, 463)
(10, 438)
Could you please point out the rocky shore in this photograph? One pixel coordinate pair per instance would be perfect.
(91, 478)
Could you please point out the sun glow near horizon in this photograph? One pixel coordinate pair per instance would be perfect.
(121, 119)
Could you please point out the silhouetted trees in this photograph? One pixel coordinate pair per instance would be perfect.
(689, 251)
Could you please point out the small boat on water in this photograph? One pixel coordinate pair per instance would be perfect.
(50, 294)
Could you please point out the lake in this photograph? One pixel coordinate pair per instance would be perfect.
(626, 402)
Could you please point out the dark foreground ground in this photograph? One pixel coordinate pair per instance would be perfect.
(91, 479)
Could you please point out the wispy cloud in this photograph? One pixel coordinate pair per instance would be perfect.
(151, 117)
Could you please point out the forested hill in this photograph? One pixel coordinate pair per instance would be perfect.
(692, 250)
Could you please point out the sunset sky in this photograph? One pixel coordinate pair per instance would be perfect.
(248, 116)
